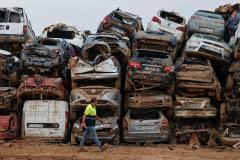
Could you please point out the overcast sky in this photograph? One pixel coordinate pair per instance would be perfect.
(87, 14)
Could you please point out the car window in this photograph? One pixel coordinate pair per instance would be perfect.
(61, 34)
(152, 54)
(3, 16)
(122, 19)
(14, 17)
(106, 112)
(209, 37)
(143, 114)
(172, 17)
(194, 60)
(209, 14)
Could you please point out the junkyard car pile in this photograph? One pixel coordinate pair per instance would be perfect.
(174, 82)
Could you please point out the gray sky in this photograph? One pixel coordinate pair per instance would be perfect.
(87, 14)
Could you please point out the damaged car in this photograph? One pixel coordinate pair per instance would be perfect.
(149, 69)
(230, 134)
(7, 98)
(47, 57)
(233, 78)
(196, 77)
(81, 97)
(9, 126)
(185, 107)
(10, 67)
(141, 125)
(69, 33)
(108, 131)
(209, 46)
(121, 22)
(38, 87)
(96, 64)
(155, 41)
(170, 23)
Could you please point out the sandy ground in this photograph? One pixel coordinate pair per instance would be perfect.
(26, 149)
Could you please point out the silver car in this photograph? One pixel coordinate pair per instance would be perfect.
(208, 46)
(206, 22)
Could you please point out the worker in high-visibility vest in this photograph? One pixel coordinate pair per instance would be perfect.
(88, 122)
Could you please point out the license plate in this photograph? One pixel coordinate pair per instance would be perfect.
(144, 128)
(152, 69)
(212, 49)
(118, 30)
(1, 27)
(34, 125)
(206, 29)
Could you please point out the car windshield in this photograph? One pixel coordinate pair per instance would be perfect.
(209, 37)
(61, 34)
(172, 17)
(143, 114)
(106, 112)
(122, 19)
(209, 15)
(8, 16)
(194, 60)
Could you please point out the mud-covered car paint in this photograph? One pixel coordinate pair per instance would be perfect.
(7, 98)
(9, 126)
(230, 134)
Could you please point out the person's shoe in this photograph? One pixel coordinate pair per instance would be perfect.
(104, 147)
(81, 149)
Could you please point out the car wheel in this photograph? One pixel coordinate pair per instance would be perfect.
(223, 112)
(74, 84)
(229, 83)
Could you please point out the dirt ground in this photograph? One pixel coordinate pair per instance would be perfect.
(27, 149)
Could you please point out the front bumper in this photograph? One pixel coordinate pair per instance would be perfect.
(188, 113)
(93, 76)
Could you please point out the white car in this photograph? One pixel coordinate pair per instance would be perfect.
(170, 23)
(208, 46)
(15, 27)
(234, 42)
(69, 33)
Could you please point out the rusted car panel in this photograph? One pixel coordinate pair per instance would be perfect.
(121, 22)
(7, 97)
(194, 108)
(81, 97)
(233, 78)
(148, 99)
(40, 87)
(96, 63)
(9, 67)
(149, 69)
(9, 126)
(141, 125)
(155, 41)
(194, 75)
(183, 130)
(47, 57)
(106, 132)
(230, 135)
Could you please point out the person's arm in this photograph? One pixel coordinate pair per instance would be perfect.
(83, 124)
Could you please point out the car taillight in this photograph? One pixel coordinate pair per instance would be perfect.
(66, 119)
(125, 124)
(196, 17)
(24, 29)
(164, 123)
(168, 69)
(156, 19)
(106, 20)
(183, 29)
(134, 64)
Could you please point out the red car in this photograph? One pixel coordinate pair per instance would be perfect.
(9, 126)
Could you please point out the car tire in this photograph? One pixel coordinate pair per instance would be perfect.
(223, 112)
(229, 83)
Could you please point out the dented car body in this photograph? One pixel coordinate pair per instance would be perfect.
(155, 41)
(194, 108)
(9, 126)
(96, 63)
(9, 67)
(233, 78)
(230, 134)
(149, 69)
(141, 125)
(195, 76)
(47, 57)
(7, 98)
(81, 97)
(121, 22)
(38, 87)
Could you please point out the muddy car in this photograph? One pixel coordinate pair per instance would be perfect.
(38, 87)
(10, 67)
(9, 126)
(209, 46)
(230, 134)
(149, 69)
(230, 110)
(7, 98)
(233, 78)
(108, 131)
(81, 97)
(69, 33)
(183, 130)
(148, 99)
(194, 108)
(96, 64)
(155, 41)
(141, 125)
(196, 77)
(121, 22)
(47, 57)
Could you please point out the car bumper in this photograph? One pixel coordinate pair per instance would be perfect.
(93, 76)
(152, 137)
(207, 113)
(10, 134)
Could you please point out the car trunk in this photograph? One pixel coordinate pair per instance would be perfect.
(171, 20)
